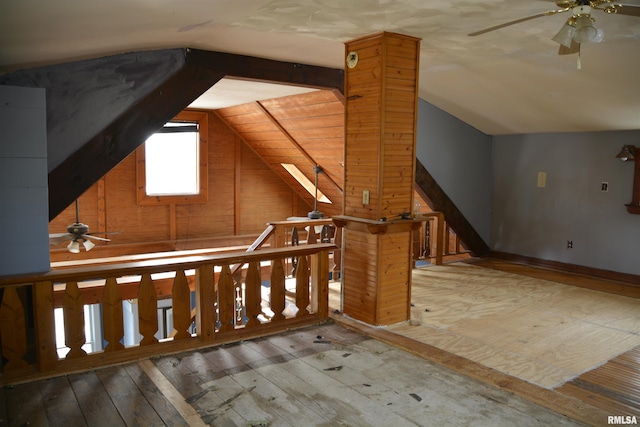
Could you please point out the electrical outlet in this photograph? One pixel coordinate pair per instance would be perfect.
(604, 187)
(569, 244)
(365, 197)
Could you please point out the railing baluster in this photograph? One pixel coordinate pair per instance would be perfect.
(320, 283)
(73, 309)
(181, 296)
(226, 297)
(311, 235)
(45, 326)
(253, 293)
(112, 315)
(302, 287)
(147, 310)
(238, 306)
(205, 303)
(13, 330)
(277, 289)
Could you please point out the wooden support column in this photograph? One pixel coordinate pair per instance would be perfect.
(381, 92)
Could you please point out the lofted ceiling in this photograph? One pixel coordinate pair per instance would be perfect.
(504, 82)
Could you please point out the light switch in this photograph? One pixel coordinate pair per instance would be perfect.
(365, 197)
(542, 179)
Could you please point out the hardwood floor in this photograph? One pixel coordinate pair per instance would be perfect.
(326, 375)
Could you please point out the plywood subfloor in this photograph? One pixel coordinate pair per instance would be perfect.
(543, 332)
(320, 376)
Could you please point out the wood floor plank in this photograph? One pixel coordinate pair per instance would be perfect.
(125, 395)
(275, 402)
(179, 375)
(25, 407)
(611, 406)
(165, 399)
(94, 401)
(163, 407)
(244, 402)
(425, 396)
(60, 401)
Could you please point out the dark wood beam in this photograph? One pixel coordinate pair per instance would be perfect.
(438, 200)
(252, 68)
(120, 138)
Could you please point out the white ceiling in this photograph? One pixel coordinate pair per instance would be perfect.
(503, 82)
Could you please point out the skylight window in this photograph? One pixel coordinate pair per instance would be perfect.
(305, 182)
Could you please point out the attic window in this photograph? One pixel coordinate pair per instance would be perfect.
(305, 182)
(172, 163)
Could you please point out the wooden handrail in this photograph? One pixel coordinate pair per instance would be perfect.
(226, 308)
(160, 265)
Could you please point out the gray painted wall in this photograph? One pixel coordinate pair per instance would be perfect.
(24, 211)
(458, 157)
(537, 222)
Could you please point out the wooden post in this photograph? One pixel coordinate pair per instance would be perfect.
(381, 93)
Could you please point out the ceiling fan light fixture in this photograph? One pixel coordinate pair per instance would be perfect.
(565, 35)
(74, 247)
(88, 245)
(586, 31)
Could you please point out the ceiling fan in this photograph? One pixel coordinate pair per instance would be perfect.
(580, 26)
(76, 232)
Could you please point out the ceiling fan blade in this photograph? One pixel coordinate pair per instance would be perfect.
(104, 232)
(89, 236)
(574, 48)
(517, 21)
(627, 9)
(57, 238)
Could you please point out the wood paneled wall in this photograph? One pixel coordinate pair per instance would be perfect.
(304, 130)
(244, 194)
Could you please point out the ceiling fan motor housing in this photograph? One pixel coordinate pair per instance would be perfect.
(78, 228)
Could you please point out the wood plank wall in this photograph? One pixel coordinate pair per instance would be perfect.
(304, 130)
(244, 194)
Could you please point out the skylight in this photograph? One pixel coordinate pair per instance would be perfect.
(305, 182)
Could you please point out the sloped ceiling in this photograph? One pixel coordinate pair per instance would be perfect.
(505, 82)
(304, 130)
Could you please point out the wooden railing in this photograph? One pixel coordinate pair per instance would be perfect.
(435, 240)
(293, 232)
(227, 308)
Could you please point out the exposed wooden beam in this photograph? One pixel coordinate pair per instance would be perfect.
(202, 69)
(120, 138)
(433, 194)
(249, 67)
